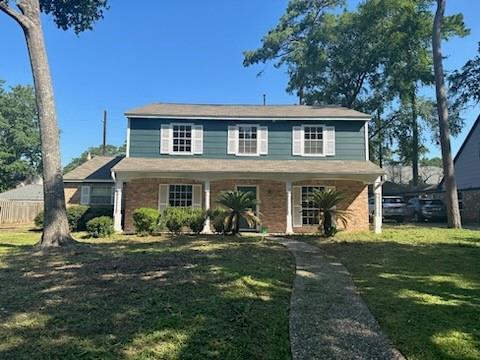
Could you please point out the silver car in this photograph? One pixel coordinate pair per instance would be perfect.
(394, 208)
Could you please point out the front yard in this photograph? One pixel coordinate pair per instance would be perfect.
(146, 298)
(422, 284)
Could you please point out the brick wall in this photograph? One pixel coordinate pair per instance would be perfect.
(356, 201)
(72, 193)
(272, 197)
(471, 206)
(144, 193)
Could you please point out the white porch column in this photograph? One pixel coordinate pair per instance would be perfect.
(206, 227)
(289, 229)
(117, 206)
(377, 219)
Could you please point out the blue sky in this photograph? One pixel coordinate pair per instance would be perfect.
(171, 51)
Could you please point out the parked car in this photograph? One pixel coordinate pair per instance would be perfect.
(422, 209)
(394, 208)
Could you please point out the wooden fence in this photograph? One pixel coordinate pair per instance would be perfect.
(19, 212)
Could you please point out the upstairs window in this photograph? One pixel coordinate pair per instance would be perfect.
(247, 140)
(313, 140)
(182, 138)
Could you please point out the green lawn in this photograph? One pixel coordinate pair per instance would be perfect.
(145, 298)
(422, 284)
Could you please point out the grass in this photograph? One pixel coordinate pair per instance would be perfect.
(421, 283)
(145, 298)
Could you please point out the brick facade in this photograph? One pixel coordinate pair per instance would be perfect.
(72, 193)
(272, 196)
(471, 206)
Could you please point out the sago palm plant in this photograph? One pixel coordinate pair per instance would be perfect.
(238, 205)
(327, 201)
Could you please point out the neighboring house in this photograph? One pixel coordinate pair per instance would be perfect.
(91, 183)
(185, 155)
(31, 192)
(399, 174)
(467, 174)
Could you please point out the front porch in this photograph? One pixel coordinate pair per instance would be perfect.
(281, 188)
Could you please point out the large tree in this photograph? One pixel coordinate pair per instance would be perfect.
(453, 211)
(350, 58)
(19, 136)
(110, 150)
(78, 15)
(465, 83)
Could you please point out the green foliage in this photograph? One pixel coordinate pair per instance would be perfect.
(100, 227)
(79, 15)
(196, 219)
(38, 220)
(436, 161)
(146, 220)
(327, 201)
(374, 59)
(78, 216)
(217, 217)
(75, 215)
(110, 150)
(238, 205)
(175, 218)
(465, 83)
(20, 155)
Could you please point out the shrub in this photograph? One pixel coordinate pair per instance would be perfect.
(75, 216)
(94, 212)
(217, 216)
(145, 220)
(100, 227)
(174, 218)
(196, 219)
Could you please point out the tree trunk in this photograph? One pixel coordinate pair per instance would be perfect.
(453, 211)
(415, 135)
(55, 231)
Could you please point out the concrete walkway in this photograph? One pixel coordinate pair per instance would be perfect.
(328, 319)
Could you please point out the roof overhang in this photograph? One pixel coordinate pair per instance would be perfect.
(216, 169)
(236, 118)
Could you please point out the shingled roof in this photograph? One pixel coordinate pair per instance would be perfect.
(97, 169)
(280, 112)
(32, 192)
(249, 167)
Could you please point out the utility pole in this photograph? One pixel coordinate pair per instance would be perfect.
(264, 99)
(104, 143)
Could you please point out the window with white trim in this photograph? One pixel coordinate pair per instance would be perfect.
(313, 140)
(98, 195)
(180, 195)
(247, 140)
(182, 138)
(310, 213)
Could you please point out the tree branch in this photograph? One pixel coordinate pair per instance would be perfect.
(21, 19)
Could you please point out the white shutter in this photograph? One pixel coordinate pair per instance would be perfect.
(197, 136)
(232, 140)
(85, 195)
(263, 140)
(297, 206)
(297, 140)
(162, 197)
(166, 139)
(329, 138)
(197, 196)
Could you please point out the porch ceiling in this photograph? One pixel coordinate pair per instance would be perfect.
(212, 169)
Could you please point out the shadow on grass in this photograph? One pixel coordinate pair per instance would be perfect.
(426, 297)
(186, 297)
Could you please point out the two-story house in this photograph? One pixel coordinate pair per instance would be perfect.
(185, 155)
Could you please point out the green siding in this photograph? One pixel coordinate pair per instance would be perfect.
(350, 138)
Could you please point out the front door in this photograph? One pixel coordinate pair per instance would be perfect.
(251, 189)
